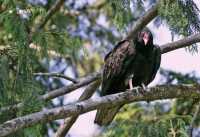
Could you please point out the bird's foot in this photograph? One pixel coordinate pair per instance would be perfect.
(130, 82)
(145, 88)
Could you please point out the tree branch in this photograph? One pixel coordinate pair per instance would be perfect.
(67, 89)
(159, 92)
(68, 122)
(180, 43)
(143, 21)
(56, 75)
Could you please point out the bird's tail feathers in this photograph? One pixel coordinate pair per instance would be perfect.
(104, 116)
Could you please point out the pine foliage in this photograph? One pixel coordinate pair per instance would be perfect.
(19, 21)
(182, 16)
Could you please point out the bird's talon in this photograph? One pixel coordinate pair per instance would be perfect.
(145, 88)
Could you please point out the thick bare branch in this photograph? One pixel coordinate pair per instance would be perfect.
(180, 43)
(68, 122)
(56, 75)
(159, 92)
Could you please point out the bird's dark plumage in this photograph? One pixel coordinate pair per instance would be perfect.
(140, 58)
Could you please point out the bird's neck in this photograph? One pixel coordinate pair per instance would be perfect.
(145, 50)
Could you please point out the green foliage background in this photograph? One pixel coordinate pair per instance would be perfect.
(69, 35)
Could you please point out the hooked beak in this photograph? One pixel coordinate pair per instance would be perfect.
(145, 39)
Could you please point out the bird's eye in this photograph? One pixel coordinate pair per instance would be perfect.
(145, 35)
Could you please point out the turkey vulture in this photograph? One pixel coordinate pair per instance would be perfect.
(131, 63)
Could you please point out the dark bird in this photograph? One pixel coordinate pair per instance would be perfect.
(131, 63)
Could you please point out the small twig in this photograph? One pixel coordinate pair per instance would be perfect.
(68, 122)
(56, 75)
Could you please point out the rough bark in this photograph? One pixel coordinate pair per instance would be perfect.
(159, 92)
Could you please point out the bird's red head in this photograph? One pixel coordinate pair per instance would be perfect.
(145, 37)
